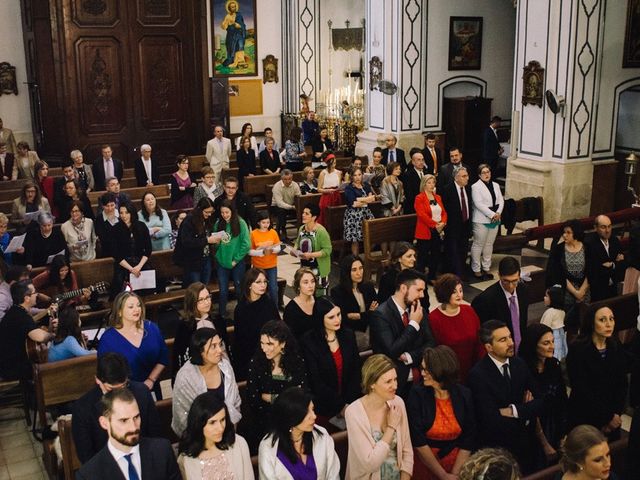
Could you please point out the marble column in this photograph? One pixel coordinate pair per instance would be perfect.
(553, 154)
(397, 34)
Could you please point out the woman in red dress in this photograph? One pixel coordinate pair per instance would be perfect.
(455, 323)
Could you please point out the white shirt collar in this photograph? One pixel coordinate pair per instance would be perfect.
(498, 363)
(400, 309)
(122, 462)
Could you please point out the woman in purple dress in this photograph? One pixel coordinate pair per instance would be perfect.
(182, 186)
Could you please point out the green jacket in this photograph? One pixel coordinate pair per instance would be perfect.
(319, 242)
(236, 249)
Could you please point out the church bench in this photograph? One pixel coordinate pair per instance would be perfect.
(385, 229)
(334, 223)
(625, 311)
(163, 201)
(135, 193)
(516, 241)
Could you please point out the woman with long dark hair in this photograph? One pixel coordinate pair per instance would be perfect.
(333, 363)
(194, 244)
(329, 181)
(246, 131)
(276, 366)
(232, 245)
(321, 142)
(355, 297)
(537, 350)
(209, 447)
(207, 370)
(246, 160)
(69, 341)
(44, 182)
(29, 201)
(598, 367)
(157, 221)
(254, 309)
(73, 193)
(58, 278)
(296, 448)
(403, 257)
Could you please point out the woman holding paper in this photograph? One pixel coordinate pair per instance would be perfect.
(133, 251)
(265, 246)
(27, 204)
(42, 244)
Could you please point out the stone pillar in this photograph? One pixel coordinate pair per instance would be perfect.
(397, 34)
(300, 30)
(553, 153)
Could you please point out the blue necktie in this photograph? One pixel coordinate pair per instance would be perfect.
(133, 474)
(392, 154)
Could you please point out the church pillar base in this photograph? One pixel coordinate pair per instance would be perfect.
(565, 187)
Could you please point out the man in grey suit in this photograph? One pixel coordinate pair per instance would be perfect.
(400, 329)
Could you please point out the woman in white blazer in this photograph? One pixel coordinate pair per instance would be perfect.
(296, 448)
(210, 445)
(487, 210)
(208, 370)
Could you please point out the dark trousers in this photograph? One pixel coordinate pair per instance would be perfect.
(429, 254)
(281, 219)
(456, 249)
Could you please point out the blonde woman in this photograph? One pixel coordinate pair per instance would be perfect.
(432, 218)
(138, 340)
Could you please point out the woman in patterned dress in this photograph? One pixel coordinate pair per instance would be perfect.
(358, 196)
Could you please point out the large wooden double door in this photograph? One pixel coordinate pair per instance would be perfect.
(122, 72)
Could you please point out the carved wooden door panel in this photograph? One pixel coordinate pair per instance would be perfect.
(131, 75)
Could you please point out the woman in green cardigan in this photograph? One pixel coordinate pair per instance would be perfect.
(313, 246)
(233, 244)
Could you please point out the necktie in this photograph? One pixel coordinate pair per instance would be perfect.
(405, 318)
(435, 160)
(515, 321)
(392, 155)
(109, 170)
(133, 474)
(463, 200)
(505, 372)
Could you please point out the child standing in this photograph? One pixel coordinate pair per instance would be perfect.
(265, 246)
(553, 318)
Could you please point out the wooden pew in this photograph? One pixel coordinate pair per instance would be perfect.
(385, 229)
(135, 193)
(516, 241)
(334, 223)
(625, 311)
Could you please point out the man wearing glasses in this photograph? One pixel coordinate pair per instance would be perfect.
(605, 260)
(506, 300)
(112, 374)
(15, 327)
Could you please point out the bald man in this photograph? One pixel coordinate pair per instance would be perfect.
(605, 261)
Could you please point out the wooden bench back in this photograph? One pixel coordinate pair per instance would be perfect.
(136, 193)
(385, 229)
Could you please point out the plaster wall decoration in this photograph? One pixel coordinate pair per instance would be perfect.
(349, 38)
(270, 69)
(8, 84)
(533, 84)
(375, 72)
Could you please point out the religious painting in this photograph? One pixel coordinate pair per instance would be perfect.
(234, 38)
(375, 72)
(533, 84)
(631, 55)
(269, 69)
(465, 43)
(8, 84)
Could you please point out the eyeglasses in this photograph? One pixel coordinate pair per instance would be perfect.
(205, 299)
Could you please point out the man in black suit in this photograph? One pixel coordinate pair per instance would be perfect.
(399, 328)
(447, 171)
(505, 396)
(506, 300)
(491, 149)
(393, 154)
(147, 173)
(456, 198)
(242, 202)
(7, 160)
(412, 178)
(68, 173)
(605, 261)
(112, 374)
(105, 167)
(126, 455)
(432, 155)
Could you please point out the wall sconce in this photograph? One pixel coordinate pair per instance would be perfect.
(630, 170)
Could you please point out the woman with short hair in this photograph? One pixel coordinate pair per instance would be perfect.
(207, 370)
(24, 162)
(392, 191)
(41, 243)
(294, 153)
(79, 234)
(208, 187)
(296, 448)
(73, 193)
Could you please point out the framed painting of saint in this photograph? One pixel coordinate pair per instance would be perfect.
(234, 38)
(465, 43)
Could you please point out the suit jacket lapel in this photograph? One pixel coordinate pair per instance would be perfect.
(112, 470)
(146, 463)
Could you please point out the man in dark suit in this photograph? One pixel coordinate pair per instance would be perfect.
(411, 179)
(447, 171)
(399, 328)
(146, 170)
(432, 155)
(7, 160)
(112, 373)
(491, 149)
(505, 396)
(105, 167)
(506, 300)
(393, 154)
(105, 223)
(605, 261)
(126, 455)
(59, 192)
(456, 198)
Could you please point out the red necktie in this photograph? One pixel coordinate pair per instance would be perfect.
(465, 212)
(405, 318)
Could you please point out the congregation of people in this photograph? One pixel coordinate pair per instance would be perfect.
(455, 390)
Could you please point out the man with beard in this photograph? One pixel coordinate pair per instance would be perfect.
(504, 396)
(399, 328)
(126, 455)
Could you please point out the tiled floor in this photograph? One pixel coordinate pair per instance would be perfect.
(20, 453)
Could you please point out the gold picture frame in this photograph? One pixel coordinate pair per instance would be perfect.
(533, 84)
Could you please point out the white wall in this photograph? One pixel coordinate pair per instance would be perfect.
(269, 42)
(14, 109)
(498, 40)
